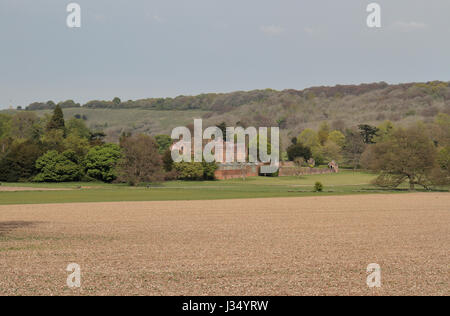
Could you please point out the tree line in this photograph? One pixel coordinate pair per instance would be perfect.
(52, 149)
(224, 102)
(418, 154)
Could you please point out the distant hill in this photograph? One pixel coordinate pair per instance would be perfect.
(291, 110)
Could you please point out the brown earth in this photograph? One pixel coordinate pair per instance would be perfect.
(281, 246)
(20, 189)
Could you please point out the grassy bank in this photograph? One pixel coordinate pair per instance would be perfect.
(344, 183)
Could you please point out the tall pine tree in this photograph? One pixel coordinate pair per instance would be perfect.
(57, 120)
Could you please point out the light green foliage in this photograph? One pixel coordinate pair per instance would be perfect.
(54, 140)
(434, 88)
(76, 144)
(444, 158)
(338, 138)
(332, 151)
(309, 138)
(56, 167)
(259, 187)
(385, 131)
(100, 162)
(78, 127)
(324, 133)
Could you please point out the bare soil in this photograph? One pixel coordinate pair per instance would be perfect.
(20, 189)
(280, 246)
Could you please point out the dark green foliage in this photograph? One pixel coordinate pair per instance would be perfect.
(18, 164)
(354, 147)
(368, 133)
(294, 140)
(100, 162)
(164, 142)
(56, 167)
(195, 171)
(208, 170)
(117, 101)
(223, 127)
(297, 151)
(96, 138)
(167, 160)
(318, 187)
(57, 120)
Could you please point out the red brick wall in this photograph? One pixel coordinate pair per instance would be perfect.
(236, 173)
(289, 170)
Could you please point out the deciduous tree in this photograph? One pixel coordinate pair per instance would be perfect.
(141, 160)
(58, 167)
(409, 155)
(101, 162)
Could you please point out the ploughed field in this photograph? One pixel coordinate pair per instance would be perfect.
(274, 246)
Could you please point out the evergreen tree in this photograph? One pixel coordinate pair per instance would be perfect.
(57, 120)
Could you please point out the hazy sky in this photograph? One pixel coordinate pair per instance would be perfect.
(157, 48)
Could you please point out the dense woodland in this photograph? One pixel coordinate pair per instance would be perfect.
(225, 102)
(291, 110)
(37, 144)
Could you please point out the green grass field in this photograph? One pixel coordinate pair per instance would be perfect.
(347, 182)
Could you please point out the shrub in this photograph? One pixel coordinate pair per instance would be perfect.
(318, 187)
(190, 170)
(195, 171)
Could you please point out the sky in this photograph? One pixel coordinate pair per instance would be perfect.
(164, 48)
